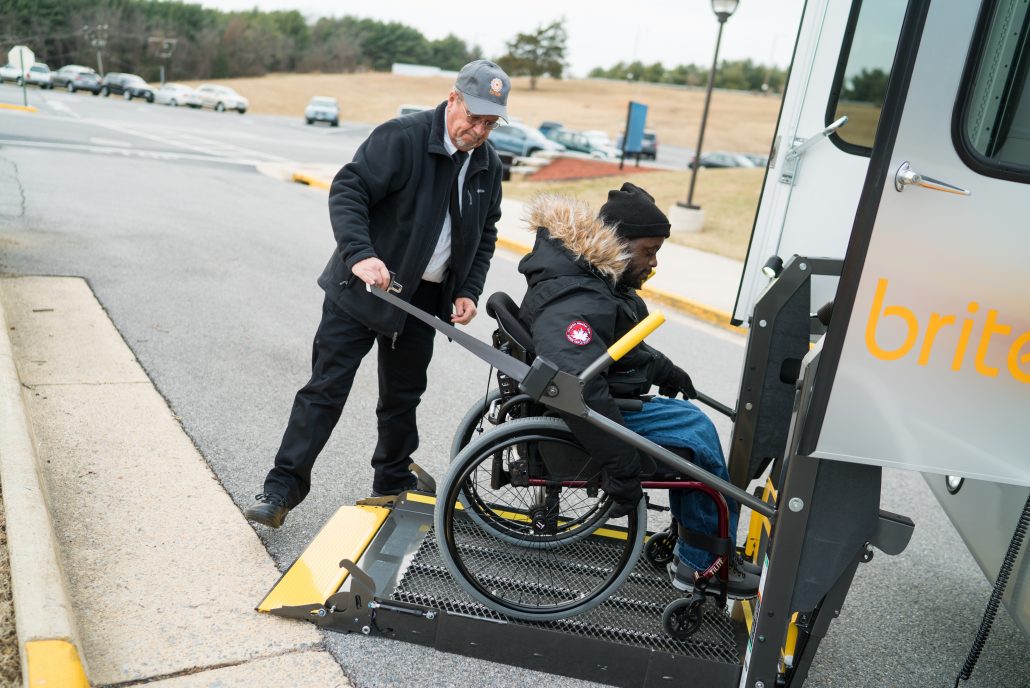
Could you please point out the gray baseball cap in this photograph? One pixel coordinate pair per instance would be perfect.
(485, 87)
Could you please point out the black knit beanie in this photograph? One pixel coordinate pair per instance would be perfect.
(633, 213)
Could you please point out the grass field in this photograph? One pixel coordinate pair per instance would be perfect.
(737, 121)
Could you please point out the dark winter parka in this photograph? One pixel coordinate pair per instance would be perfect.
(390, 202)
(575, 309)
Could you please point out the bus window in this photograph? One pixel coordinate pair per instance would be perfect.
(867, 53)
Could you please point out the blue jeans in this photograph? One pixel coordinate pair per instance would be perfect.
(680, 424)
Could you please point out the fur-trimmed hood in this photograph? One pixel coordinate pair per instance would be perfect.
(571, 224)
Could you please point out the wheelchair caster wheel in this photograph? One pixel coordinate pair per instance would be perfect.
(658, 550)
(683, 616)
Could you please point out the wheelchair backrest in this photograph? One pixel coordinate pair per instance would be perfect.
(502, 308)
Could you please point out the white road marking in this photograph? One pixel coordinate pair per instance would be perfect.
(109, 142)
(61, 107)
(125, 152)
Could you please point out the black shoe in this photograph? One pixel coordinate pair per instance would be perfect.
(270, 510)
(393, 491)
(741, 585)
(748, 566)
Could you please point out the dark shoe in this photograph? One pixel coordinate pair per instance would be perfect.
(741, 585)
(747, 566)
(270, 510)
(393, 491)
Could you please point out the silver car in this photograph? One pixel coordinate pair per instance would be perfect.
(323, 109)
(176, 95)
(221, 98)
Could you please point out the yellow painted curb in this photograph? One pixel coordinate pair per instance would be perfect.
(54, 664)
(310, 181)
(23, 108)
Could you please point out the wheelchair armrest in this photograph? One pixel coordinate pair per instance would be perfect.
(630, 404)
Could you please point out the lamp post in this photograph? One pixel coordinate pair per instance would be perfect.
(723, 9)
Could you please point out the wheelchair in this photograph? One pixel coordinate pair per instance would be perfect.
(522, 520)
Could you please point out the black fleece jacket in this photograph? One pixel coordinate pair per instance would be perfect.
(390, 202)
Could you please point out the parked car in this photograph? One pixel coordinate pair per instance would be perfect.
(648, 145)
(222, 98)
(725, 159)
(323, 109)
(521, 140)
(117, 83)
(759, 160)
(9, 72)
(582, 143)
(37, 74)
(75, 78)
(137, 87)
(547, 126)
(177, 94)
(409, 109)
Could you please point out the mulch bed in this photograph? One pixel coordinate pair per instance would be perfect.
(580, 168)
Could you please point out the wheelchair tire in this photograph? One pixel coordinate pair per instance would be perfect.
(683, 616)
(474, 423)
(493, 544)
(589, 514)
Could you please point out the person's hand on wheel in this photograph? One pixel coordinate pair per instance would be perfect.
(625, 492)
(678, 382)
(372, 272)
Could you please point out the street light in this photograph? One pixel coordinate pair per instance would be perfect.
(723, 9)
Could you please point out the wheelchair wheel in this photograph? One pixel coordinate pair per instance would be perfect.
(683, 616)
(497, 494)
(474, 423)
(529, 547)
(659, 549)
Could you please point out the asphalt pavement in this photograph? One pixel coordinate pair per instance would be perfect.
(203, 269)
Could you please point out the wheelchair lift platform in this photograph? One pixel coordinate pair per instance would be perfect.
(376, 569)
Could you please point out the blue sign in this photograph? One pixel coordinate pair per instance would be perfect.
(635, 121)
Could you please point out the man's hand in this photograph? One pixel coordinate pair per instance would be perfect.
(373, 272)
(464, 310)
(677, 382)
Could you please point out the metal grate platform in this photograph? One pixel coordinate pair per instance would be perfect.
(630, 617)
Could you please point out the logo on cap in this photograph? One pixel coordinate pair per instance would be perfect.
(578, 332)
(495, 87)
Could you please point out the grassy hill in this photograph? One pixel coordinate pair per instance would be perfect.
(737, 121)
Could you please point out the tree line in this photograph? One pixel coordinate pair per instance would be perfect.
(742, 75)
(194, 42)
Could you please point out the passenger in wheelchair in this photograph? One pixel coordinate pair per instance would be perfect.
(582, 277)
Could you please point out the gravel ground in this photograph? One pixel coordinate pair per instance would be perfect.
(10, 667)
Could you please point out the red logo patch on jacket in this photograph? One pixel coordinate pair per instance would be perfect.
(579, 333)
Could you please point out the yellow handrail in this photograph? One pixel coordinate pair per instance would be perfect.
(636, 335)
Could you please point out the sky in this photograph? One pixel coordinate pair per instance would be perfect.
(600, 32)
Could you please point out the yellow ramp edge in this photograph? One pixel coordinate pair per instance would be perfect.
(317, 573)
(54, 664)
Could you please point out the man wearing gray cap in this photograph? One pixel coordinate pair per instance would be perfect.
(415, 211)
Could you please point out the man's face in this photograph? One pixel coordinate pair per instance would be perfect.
(643, 259)
(466, 130)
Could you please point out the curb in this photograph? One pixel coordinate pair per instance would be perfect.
(712, 316)
(23, 108)
(43, 615)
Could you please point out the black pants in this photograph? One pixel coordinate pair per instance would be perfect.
(341, 342)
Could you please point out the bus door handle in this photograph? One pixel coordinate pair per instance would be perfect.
(906, 176)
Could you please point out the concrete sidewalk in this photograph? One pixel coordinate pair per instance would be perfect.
(700, 284)
(120, 539)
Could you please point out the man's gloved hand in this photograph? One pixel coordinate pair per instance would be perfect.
(677, 382)
(625, 491)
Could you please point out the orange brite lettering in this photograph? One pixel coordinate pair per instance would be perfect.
(874, 319)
